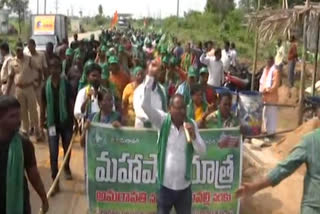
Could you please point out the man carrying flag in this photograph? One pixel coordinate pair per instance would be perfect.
(178, 139)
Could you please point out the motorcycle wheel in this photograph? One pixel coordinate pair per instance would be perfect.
(308, 113)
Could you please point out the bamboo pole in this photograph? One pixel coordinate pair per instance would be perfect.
(49, 193)
(314, 75)
(255, 59)
(302, 77)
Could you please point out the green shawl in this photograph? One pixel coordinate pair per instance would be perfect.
(63, 113)
(190, 109)
(15, 173)
(162, 148)
(163, 97)
(97, 117)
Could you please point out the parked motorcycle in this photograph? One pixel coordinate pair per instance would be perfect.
(239, 78)
(310, 108)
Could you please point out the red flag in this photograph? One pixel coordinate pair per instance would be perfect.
(114, 21)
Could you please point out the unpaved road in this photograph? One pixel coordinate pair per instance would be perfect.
(283, 199)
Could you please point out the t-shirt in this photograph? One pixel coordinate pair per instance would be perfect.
(29, 162)
(56, 108)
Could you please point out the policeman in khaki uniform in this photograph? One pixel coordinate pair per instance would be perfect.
(40, 62)
(23, 77)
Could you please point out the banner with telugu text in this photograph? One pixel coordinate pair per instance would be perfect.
(122, 169)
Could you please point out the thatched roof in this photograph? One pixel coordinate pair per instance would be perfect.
(279, 22)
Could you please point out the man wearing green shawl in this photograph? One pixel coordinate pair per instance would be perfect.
(17, 158)
(67, 62)
(178, 140)
(57, 108)
(184, 88)
(305, 153)
(86, 101)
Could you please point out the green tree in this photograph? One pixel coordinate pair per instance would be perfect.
(100, 9)
(19, 7)
(221, 7)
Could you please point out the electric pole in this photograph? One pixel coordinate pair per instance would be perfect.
(57, 6)
(45, 7)
(37, 6)
(178, 5)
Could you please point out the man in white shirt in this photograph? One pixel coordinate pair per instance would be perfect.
(226, 56)
(279, 59)
(159, 101)
(215, 68)
(233, 54)
(4, 51)
(175, 149)
(87, 100)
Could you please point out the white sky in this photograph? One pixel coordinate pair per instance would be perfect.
(139, 8)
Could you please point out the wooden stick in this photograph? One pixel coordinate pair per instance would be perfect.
(279, 105)
(49, 193)
(268, 135)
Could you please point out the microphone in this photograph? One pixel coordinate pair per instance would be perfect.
(187, 133)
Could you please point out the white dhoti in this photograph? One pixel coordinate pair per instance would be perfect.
(270, 119)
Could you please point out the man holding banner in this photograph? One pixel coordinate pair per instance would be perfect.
(178, 139)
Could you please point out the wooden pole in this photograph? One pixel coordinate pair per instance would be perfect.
(314, 75)
(302, 77)
(255, 58)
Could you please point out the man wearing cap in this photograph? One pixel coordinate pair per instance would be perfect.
(57, 108)
(209, 92)
(124, 58)
(87, 101)
(67, 62)
(23, 76)
(184, 88)
(159, 101)
(101, 57)
(75, 73)
(118, 77)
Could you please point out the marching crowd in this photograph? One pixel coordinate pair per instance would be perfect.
(125, 79)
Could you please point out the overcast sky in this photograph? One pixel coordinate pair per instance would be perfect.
(139, 8)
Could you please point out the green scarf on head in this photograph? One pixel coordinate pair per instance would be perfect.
(190, 109)
(162, 148)
(15, 173)
(63, 113)
(83, 81)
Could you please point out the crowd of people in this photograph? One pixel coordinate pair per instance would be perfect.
(127, 78)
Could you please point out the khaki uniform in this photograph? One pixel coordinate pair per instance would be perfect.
(5, 74)
(40, 64)
(24, 78)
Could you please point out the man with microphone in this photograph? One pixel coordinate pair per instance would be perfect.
(178, 140)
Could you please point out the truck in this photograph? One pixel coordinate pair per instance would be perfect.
(48, 28)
